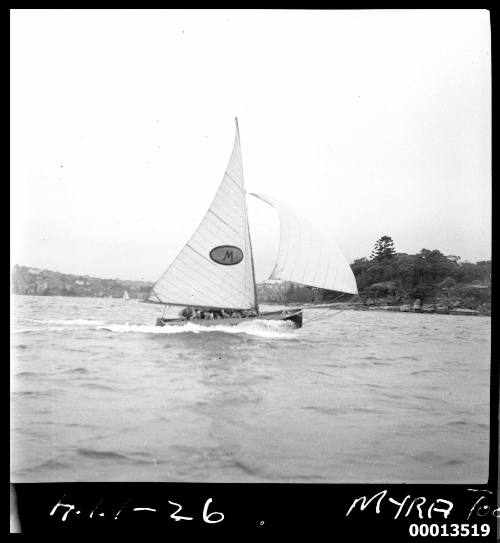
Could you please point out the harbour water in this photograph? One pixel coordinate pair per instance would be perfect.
(98, 393)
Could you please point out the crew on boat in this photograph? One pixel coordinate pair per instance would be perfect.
(187, 313)
(193, 313)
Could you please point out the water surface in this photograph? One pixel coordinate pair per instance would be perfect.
(101, 394)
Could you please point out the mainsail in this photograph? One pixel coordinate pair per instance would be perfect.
(306, 255)
(215, 267)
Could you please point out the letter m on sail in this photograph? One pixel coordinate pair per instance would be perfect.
(228, 255)
(365, 503)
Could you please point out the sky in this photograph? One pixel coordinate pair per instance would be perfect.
(370, 123)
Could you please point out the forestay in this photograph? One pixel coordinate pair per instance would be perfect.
(215, 268)
(308, 256)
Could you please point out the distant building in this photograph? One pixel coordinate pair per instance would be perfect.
(33, 281)
(274, 284)
(453, 258)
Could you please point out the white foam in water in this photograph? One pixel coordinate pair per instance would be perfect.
(48, 329)
(71, 322)
(262, 328)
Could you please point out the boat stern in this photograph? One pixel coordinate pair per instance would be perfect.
(296, 319)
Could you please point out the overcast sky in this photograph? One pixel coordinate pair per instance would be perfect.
(370, 123)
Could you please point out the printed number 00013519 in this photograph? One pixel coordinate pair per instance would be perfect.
(449, 530)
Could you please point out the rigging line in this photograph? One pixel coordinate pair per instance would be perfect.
(225, 193)
(325, 313)
(223, 221)
(336, 298)
(234, 181)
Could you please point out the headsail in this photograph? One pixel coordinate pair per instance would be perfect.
(306, 255)
(215, 267)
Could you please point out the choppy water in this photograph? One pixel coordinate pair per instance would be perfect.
(101, 394)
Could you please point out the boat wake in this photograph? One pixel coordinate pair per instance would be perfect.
(58, 325)
(260, 328)
(71, 322)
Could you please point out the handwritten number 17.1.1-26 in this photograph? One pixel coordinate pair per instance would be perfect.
(213, 517)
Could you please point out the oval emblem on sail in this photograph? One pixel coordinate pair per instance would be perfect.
(227, 255)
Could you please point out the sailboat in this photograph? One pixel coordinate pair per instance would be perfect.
(215, 268)
(126, 297)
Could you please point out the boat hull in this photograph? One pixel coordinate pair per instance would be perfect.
(294, 316)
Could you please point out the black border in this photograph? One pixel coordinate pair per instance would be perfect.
(108, 508)
(283, 508)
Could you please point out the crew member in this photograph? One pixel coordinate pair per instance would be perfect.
(187, 313)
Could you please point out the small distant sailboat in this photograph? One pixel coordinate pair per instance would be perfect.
(215, 269)
(126, 297)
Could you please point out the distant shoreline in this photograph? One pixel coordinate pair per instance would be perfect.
(403, 308)
(355, 306)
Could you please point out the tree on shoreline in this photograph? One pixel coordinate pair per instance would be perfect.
(384, 249)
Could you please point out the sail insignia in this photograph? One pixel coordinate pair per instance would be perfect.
(227, 255)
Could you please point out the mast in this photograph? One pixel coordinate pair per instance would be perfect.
(253, 271)
(249, 239)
